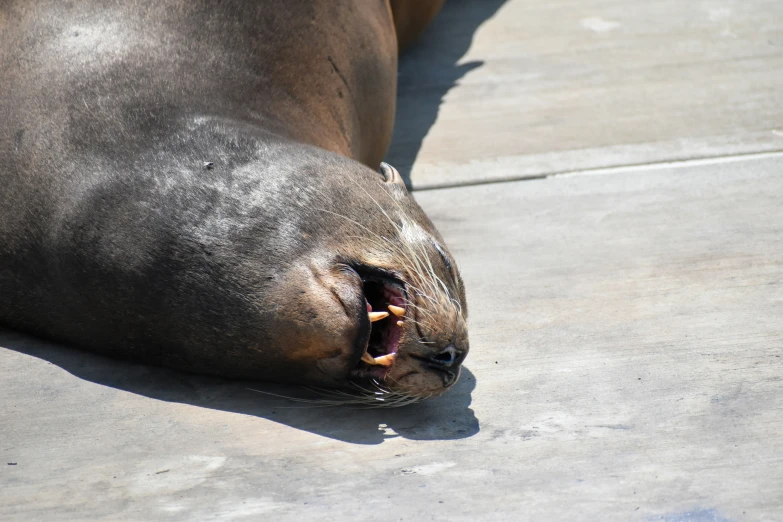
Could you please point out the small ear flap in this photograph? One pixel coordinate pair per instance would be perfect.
(390, 174)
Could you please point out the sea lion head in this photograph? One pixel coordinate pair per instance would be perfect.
(373, 298)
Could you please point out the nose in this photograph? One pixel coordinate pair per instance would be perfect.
(450, 357)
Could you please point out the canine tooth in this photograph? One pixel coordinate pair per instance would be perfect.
(377, 316)
(397, 310)
(386, 360)
(383, 360)
(400, 323)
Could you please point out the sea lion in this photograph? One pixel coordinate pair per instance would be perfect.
(198, 185)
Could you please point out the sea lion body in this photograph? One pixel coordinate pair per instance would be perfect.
(188, 183)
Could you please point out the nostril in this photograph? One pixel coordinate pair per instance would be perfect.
(447, 357)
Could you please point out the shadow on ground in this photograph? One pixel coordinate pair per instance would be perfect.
(441, 418)
(428, 71)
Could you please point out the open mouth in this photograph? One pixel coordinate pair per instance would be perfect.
(385, 299)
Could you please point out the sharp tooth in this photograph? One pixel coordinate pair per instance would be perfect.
(386, 360)
(400, 323)
(397, 310)
(383, 360)
(377, 316)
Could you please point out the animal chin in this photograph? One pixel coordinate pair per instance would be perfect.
(386, 304)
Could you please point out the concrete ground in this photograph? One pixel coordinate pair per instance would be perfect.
(609, 175)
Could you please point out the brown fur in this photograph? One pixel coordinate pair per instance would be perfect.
(186, 183)
(411, 18)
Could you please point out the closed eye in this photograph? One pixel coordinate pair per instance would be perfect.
(443, 256)
(456, 278)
